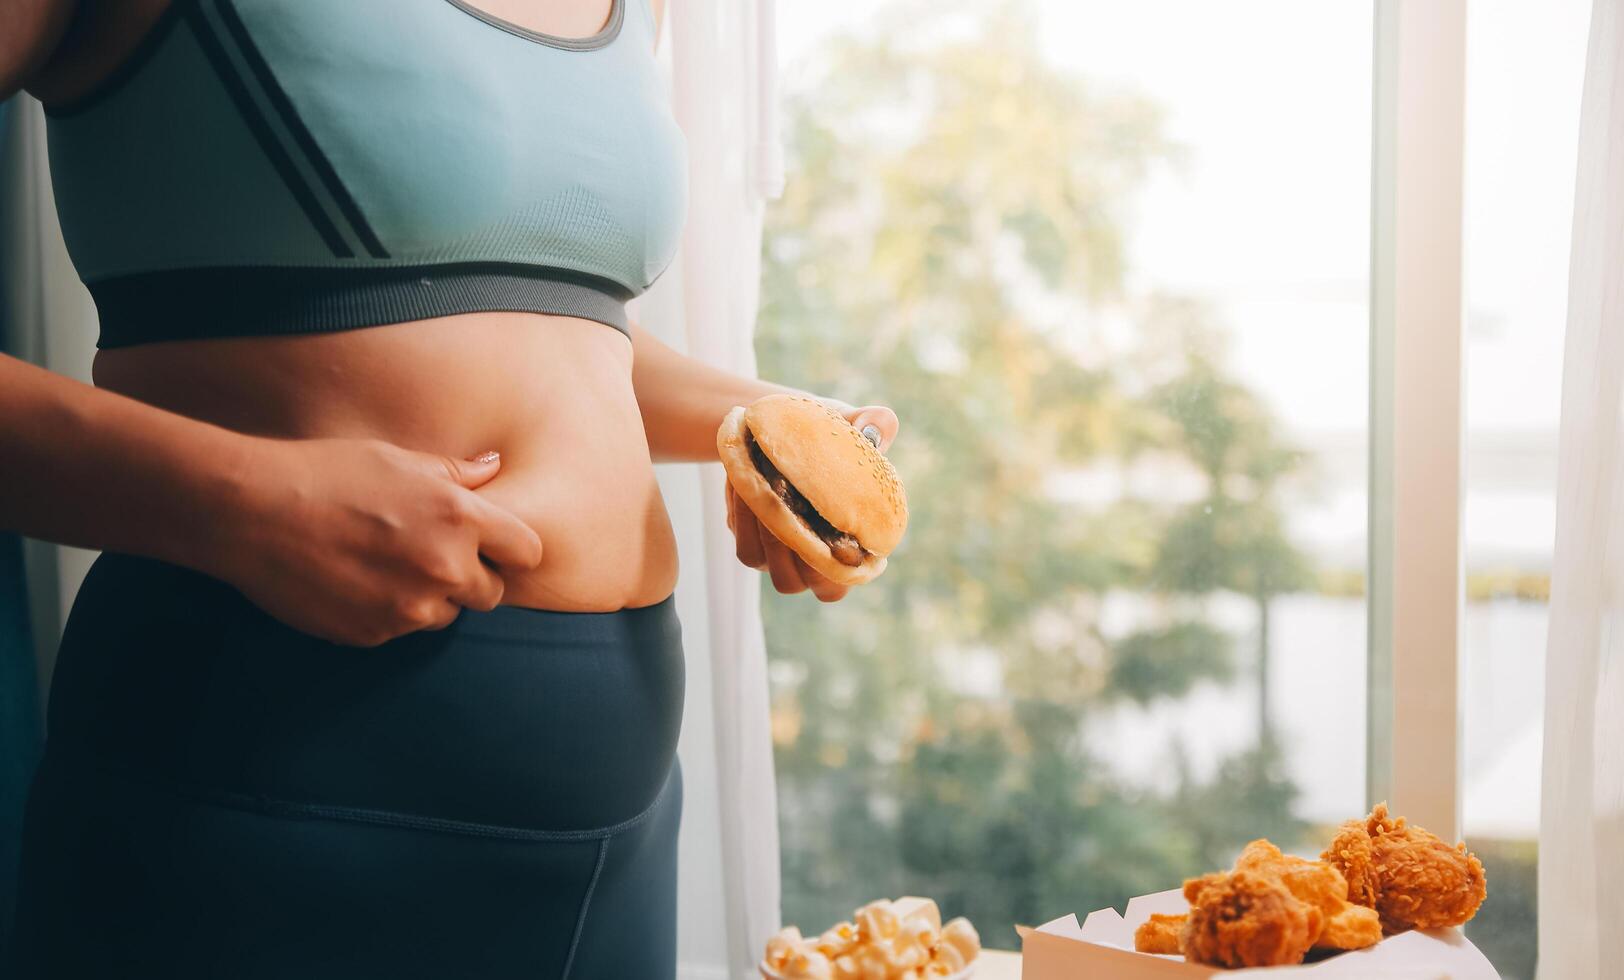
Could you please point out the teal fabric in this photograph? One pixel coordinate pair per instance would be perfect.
(373, 135)
(226, 798)
(19, 719)
(19, 694)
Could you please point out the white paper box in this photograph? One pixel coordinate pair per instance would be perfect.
(1101, 948)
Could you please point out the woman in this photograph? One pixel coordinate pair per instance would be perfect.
(379, 674)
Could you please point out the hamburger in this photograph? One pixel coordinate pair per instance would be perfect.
(813, 481)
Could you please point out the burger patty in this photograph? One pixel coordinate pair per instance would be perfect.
(842, 545)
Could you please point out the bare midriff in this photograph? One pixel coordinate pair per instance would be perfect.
(552, 394)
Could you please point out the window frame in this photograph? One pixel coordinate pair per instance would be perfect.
(1415, 580)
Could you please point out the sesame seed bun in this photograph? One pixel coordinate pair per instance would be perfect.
(847, 481)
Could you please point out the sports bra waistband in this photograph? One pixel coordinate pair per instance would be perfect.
(192, 304)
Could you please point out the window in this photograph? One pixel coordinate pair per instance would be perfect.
(1113, 274)
(1525, 69)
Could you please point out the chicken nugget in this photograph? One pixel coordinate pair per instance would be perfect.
(1354, 927)
(1159, 933)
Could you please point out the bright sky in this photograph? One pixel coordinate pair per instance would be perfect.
(1270, 218)
(1525, 68)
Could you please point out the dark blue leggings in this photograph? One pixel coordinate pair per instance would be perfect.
(223, 796)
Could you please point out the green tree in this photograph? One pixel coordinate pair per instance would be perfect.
(1232, 538)
(954, 225)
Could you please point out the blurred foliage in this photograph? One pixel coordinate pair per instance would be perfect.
(951, 243)
(1504, 927)
(955, 220)
(1484, 585)
(1166, 662)
(1524, 586)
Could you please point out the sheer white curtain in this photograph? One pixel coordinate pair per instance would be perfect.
(1581, 848)
(722, 65)
(52, 321)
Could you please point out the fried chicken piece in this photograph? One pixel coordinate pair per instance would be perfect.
(1159, 933)
(1311, 881)
(1329, 921)
(1355, 927)
(1350, 852)
(1413, 879)
(1345, 926)
(1243, 918)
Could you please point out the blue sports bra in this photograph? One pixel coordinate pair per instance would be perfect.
(292, 166)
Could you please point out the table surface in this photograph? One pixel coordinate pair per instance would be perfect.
(998, 965)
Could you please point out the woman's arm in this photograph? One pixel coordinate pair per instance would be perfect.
(90, 468)
(353, 540)
(684, 400)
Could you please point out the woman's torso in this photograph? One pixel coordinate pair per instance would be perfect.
(553, 395)
(440, 174)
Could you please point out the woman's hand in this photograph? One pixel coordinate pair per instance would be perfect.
(756, 546)
(359, 541)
